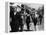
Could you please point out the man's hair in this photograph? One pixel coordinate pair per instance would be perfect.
(22, 5)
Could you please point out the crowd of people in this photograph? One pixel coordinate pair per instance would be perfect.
(22, 16)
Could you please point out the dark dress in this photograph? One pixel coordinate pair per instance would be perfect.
(34, 21)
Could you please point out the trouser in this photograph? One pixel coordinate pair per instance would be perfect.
(40, 20)
(14, 26)
(21, 26)
(28, 26)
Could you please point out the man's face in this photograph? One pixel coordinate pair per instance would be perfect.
(18, 9)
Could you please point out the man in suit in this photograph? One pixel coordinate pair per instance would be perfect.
(28, 19)
(16, 20)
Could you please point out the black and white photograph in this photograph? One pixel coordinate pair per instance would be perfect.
(24, 17)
